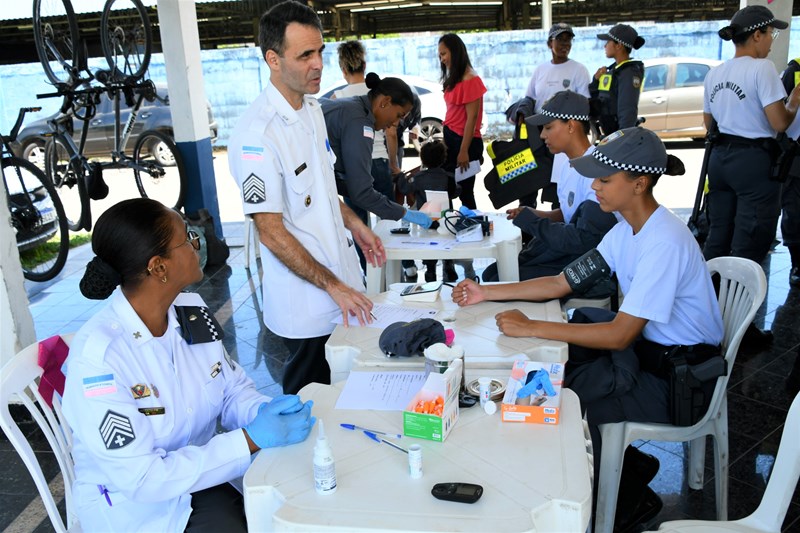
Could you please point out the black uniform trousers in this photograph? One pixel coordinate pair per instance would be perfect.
(611, 385)
(743, 203)
(790, 202)
(216, 509)
(306, 363)
(475, 151)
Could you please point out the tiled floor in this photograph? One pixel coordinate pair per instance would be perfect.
(759, 393)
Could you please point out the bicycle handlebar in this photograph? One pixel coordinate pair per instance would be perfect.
(12, 136)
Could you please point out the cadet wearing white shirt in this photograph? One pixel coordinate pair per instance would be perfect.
(560, 73)
(280, 155)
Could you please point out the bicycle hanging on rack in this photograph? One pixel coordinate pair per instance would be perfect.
(156, 163)
(37, 215)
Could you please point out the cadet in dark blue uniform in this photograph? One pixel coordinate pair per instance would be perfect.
(615, 89)
(790, 191)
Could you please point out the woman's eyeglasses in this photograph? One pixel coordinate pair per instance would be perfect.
(775, 34)
(192, 237)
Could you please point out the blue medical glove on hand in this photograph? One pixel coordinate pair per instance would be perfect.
(418, 217)
(283, 421)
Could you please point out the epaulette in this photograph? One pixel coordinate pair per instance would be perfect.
(198, 324)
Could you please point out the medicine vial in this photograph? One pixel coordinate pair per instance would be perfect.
(484, 389)
(415, 461)
(324, 466)
(405, 223)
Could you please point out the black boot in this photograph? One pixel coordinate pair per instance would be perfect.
(636, 502)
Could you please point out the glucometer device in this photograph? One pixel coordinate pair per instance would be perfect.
(457, 492)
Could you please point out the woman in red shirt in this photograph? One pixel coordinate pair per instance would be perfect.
(463, 95)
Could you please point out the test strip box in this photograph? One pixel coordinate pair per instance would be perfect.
(429, 426)
(538, 408)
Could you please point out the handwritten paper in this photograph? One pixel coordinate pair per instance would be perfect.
(380, 391)
(386, 314)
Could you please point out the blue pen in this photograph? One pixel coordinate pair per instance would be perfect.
(376, 438)
(375, 431)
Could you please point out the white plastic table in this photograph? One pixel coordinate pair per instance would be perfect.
(485, 347)
(504, 245)
(535, 477)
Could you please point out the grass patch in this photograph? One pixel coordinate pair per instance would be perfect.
(48, 251)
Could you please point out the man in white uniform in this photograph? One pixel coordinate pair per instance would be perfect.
(281, 158)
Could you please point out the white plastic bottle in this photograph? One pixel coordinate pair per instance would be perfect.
(324, 467)
(405, 223)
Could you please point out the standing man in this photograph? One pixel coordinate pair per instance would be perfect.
(281, 158)
(560, 73)
(615, 89)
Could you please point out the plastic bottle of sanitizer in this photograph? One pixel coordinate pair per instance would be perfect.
(324, 466)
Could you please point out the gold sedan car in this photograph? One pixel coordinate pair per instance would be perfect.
(672, 96)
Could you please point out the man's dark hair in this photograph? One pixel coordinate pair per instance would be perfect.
(272, 28)
(432, 154)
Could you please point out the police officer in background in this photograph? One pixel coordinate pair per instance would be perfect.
(745, 97)
(281, 158)
(790, 190)
(615, 89)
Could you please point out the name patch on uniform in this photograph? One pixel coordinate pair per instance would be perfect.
(299, 169)
(369, 132)
(152, 411)
(253, 190)
(252, 153)
(116, 430)
(140, 390)
(99, 385)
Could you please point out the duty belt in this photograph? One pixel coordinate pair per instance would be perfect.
(735, 140)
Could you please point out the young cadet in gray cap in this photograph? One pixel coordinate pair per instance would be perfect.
(745, 97)
(615, 89)
(564, 234)
(559, 73)
(669, 303)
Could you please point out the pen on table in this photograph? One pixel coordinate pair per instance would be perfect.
(376, 438)
(375, 431)
(373, 315)
(431, 243)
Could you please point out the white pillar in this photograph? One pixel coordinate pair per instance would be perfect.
(16, 322)
(180, 42)
(779, 53)
(547, 14)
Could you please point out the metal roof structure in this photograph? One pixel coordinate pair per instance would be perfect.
(234, 22)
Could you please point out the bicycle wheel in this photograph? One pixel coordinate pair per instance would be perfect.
(55, 34)
(38, 220)
(159, 169)
(69, 185)
(126, 38)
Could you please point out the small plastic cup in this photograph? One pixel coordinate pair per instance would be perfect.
(415, 461)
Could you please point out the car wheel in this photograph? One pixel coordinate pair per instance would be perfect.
(430, 128)
(34, 152)
(162, 154)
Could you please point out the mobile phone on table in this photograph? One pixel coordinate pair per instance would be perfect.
(400, 231)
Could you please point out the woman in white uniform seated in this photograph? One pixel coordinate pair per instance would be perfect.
(616, 360)
(148, 380)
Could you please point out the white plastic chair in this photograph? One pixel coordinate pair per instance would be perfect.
(250, 234)
(19, 383)
(771, 512)
(743, 287)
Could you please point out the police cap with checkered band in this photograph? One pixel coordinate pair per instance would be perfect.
(564, 105)
(637, 150)
(751, 18)
(624, 35)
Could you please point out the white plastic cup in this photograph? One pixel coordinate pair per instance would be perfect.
(415, 461)
(484, 389)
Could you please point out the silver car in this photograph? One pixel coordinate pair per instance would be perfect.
(672, 96)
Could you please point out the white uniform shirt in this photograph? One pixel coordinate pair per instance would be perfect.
(573, 188)
(549, 78)
(665, 280)
(282, 166)
(379, 150)
(736, 93)
(144, 419)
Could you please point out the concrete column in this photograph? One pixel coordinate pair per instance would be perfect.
(180, 41)
(782, 9)
(547, 14)
(16, 322)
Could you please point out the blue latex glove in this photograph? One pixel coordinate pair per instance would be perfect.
(418, 217)
(467, 212)
(536, 381)
(283, 421)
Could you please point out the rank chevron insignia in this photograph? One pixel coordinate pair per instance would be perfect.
(253, 190)
(116, 430)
